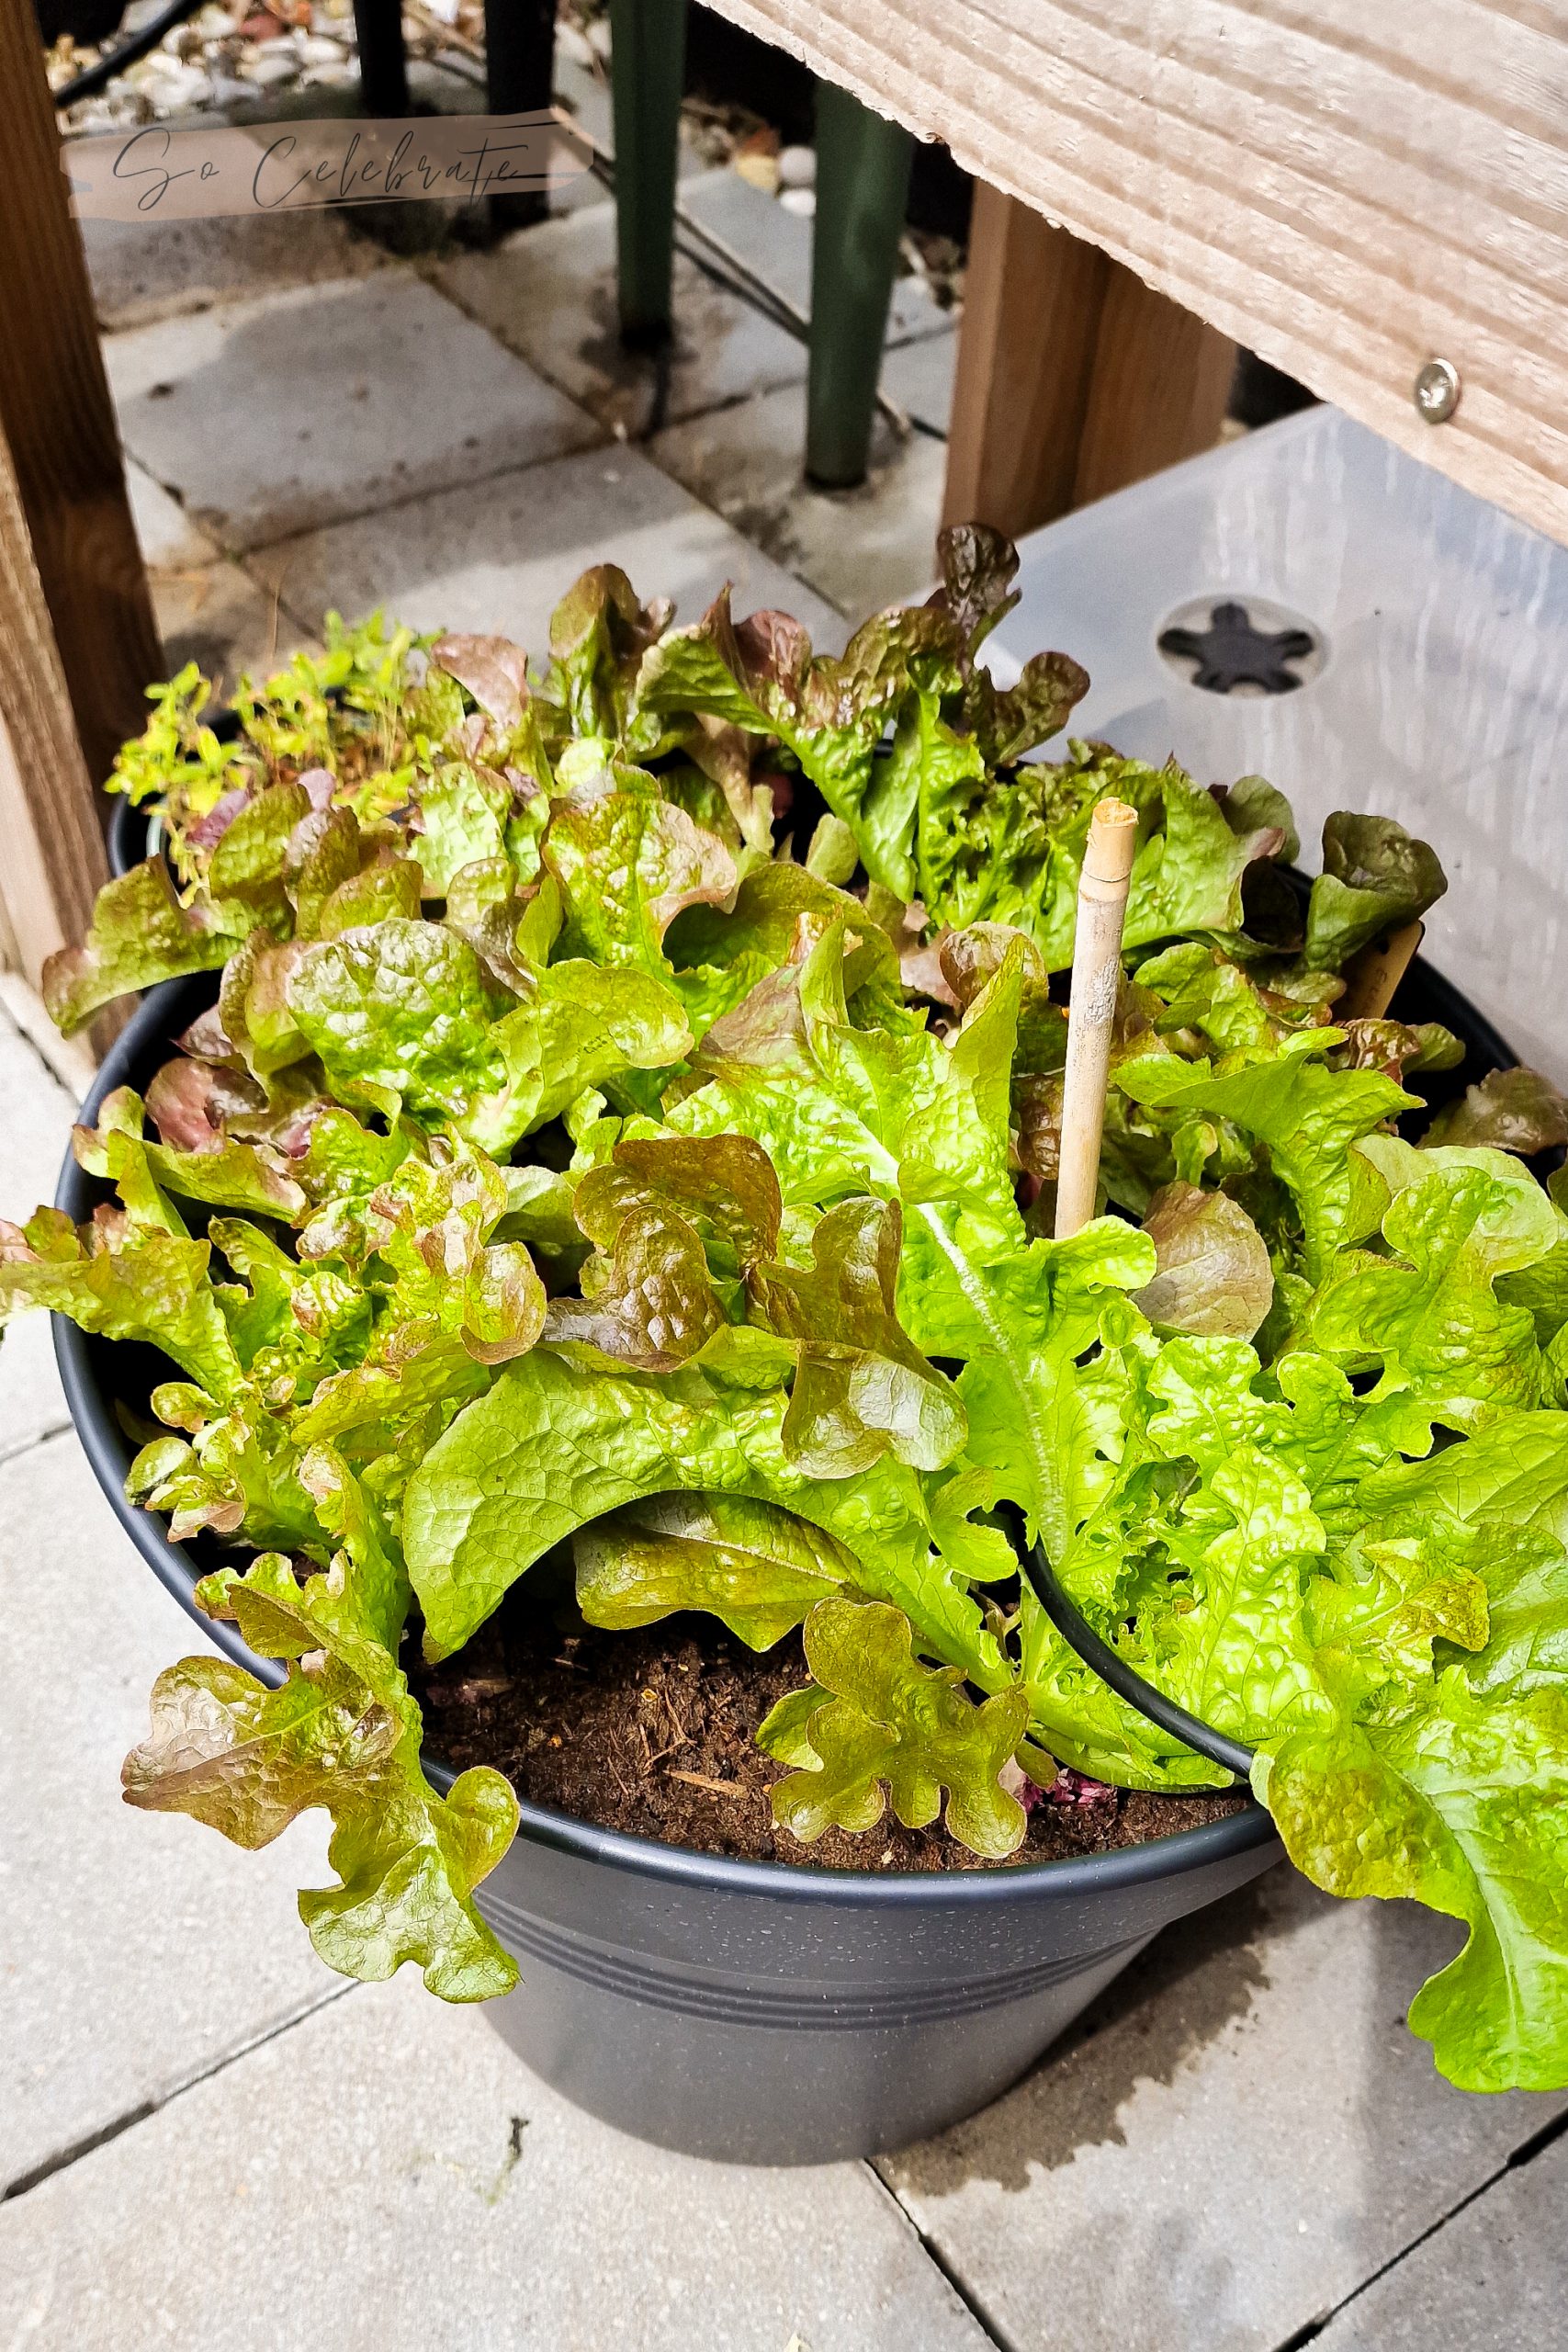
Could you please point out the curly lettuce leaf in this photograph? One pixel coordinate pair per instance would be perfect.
(599, 634)
(1427, 1317)
(405, 1016)
(628, 862)
(761, 675)
(1459, 1802)
(1307, 1116)
(125, 1281)
(1375, 878)
(723, 1185)
(888, 1726)
(342, 1733)
(649, 1301)
(245, 1176)
(843, 1111)
(861, 1387)
(139, 934)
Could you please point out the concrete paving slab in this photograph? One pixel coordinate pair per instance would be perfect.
(301, 407)
(155, 269)
(36, 1113)
(918, 376)
(215, 615)
(136, 1949)
(1243, 2134)
(549, 294)
(778, 244)
(387, 2177)
(207, 610)
(861, 548)
(169, 540)
(1493, 2279)
(499, 556)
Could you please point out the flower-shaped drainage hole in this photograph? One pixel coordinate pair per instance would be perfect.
(1241, 645)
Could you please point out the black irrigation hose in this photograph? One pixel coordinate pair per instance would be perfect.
(1097, 1654)
(94, 79)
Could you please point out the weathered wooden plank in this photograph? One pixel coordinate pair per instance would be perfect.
(1347, 190)
(52, 859)
(56, 416)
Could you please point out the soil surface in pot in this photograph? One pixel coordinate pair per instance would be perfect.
(651, 1732)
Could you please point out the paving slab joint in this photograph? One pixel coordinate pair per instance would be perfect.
(147, 2107)
(45, 1436)
(1525, 2154)
(989, 2326)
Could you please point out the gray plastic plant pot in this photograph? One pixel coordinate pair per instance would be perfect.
(759, 2012)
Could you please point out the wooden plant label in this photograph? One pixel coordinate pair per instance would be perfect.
(1374, 972)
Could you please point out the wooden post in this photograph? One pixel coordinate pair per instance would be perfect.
(64, 467)
(51, 853)
(1074, 379)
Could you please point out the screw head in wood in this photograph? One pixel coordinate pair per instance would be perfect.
(1436, 391)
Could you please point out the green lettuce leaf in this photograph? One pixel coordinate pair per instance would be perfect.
(229, 1175)
(342, 1733)
(761, 675)
(125, 1282)
(1375, 878)
(1429, 1316)
(1307, 1115)
(759, 1570)
(404, 1015)
(1459, 1802)
(628, 862)
(599, 634)
(888, 1724)
(556, 1444)
(140, 935)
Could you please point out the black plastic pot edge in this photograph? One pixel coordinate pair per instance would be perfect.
(132, 836)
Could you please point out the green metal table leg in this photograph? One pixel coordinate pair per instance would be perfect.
(648, 39)
(863, 187)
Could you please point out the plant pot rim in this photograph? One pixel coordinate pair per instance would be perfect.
(109, 1455)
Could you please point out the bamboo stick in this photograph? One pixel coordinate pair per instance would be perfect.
(1092, 1016)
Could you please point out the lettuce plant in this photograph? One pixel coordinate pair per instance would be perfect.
(627, 1119)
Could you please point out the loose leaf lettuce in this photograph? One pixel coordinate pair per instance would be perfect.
(805, 1358)
(885, 1720)
(555, 1445)
(342, 1733)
